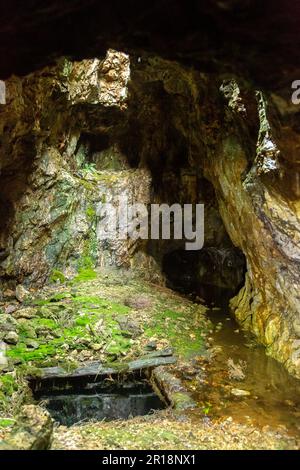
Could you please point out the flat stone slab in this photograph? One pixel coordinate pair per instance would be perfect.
(97, 369)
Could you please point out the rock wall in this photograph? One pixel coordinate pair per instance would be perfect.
(76, 133)
(50, 188)
(259, 204)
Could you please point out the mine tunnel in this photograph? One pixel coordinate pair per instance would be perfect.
(182, 117)
(175, 104)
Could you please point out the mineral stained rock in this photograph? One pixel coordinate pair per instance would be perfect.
(172, 134)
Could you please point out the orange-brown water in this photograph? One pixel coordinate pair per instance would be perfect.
(274, 398)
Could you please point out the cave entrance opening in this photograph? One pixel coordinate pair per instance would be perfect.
(212, 275)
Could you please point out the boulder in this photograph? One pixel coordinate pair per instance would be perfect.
(32, 431)
(7, 324)
(21, 293)
(27, 313)
(11, 337)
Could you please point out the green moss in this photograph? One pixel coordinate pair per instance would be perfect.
(85, 299)
(6, 422)
(118, 345)
(8, 384)
(40, 302)
(105, 305)
(46, 322)
(91, 213)
(136, 437)
(180, 330)
(83, 320)
(28, 370)
(59, 296)
(57, 277)
(26, 330)
(23, 354)
(88, 185)
(182, 401)
(84, 274)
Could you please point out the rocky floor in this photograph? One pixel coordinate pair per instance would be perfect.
(168, 430)
(113, 316)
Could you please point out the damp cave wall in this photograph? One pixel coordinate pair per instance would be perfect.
(194, 111)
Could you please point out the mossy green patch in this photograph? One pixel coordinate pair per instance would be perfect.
(83, 320)
(59, 296)
(91, 213)
(8, 384)
(23, 354)
(57, 277)
(182, 330)
(124, 437)
(84, 274)
(6, 422)
(106, 306)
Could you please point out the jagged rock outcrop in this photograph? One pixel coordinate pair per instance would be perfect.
(262, 218)
(50, 192)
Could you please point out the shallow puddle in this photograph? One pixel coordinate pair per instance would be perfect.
(246, 384)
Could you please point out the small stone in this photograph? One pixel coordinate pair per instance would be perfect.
(7, 323)
(21, 293)
(83, 342)
(9, 294)
(139, 303)
(130, 326)
(27, 313)
(3, 358)
(11, 308)
(96, 346)
(11, 337)
(236, 370)
(151, 346)
(237, 392)
(31, 343)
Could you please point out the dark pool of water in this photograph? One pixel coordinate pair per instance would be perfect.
(118, 401)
